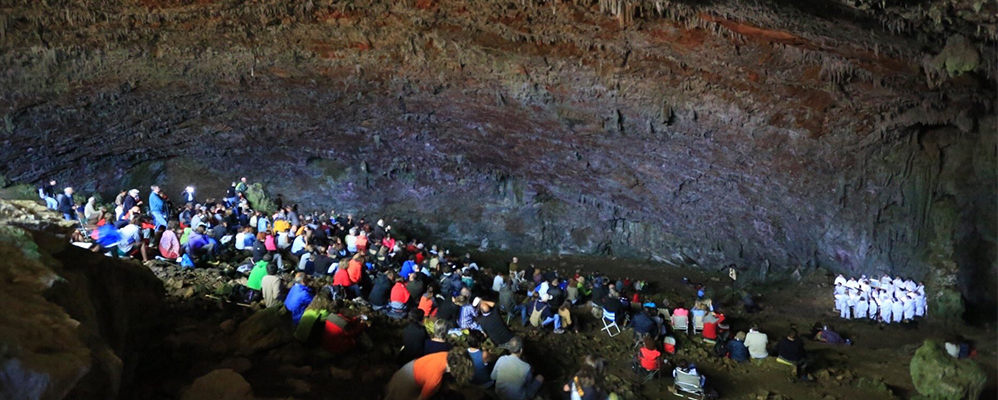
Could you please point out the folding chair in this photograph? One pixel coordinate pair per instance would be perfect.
(610, 323)
(680, 323)
(644, 373)
(688, 386)
(697, 324)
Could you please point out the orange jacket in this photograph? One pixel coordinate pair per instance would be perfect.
(354, 268)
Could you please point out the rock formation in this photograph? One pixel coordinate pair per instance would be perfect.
(857, 136)
(74, 323)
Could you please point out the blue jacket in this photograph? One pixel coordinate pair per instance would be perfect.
(299, 297)
(738, 351)
(407, 269)
(155, 203)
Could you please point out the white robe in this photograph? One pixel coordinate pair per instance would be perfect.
(873, 308)
(862, 308)
(897, 310)
(886, 305)
(909, 307)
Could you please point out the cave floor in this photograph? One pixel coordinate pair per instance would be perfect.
(196, 344)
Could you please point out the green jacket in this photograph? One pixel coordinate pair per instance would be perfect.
(259, 271)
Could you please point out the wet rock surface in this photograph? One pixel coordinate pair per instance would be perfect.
(843, 134)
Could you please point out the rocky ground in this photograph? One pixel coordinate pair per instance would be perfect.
(204, 334)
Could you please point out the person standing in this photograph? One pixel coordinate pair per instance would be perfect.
(157, 206)
(65, 204)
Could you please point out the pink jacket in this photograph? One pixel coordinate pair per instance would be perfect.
(169, 246)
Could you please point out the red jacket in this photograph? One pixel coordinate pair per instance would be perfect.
(354, 268)
(399, 293)
(710, 328)
(341, 278)
(339, 339)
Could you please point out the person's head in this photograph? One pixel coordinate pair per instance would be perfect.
(154, 188)
(792, 334)
(272, 269)
(430, 291)
(593, 362)
(68, 190)
(52, 182)
(91, 200)
(515, 345)
(268, 257)
(135, 220)
(459, 364)
(416, 316)
(515, 260)
(682, 305)
(740, 336)
(683, 365)
(754, 327)
(830, 328)
(439, 329)
(243, 179)
(133, 192)
(475, 339)
(301, 278)
(649, 343)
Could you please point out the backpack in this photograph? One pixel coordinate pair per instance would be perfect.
(535, 315)
(186, 262)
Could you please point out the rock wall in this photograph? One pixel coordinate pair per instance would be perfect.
(74, 323)
(856, 136)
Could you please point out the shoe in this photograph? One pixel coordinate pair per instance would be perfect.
(559, 331)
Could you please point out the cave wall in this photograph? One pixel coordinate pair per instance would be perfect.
(854, 136)
(75, 324)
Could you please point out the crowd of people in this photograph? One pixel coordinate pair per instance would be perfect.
(883, 300)
(449, 305)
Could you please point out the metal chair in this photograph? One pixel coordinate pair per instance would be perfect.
(610, 323)
(688, 385)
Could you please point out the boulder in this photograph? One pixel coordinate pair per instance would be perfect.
(74, 322)
(937, 375)
(268, 328)
(220, 384)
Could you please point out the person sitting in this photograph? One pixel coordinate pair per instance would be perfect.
(341, 333)
(420, 379)
(469, 313)
(737, 350)
(686, 368)
(644, 325)
(299, 297)
(541, 315)
(380, 292)
(169, 245)
(790, 351)
(493, 325)
(427, 302)
(681, 311)
(828, 335)
(271, 286)
(398, 299)
(479, 358)
(565, 314)
(514, 378)
(649, 357)
(259, 271)
(756, 343)
(710, 326)
(438, 342)
(414, 336)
